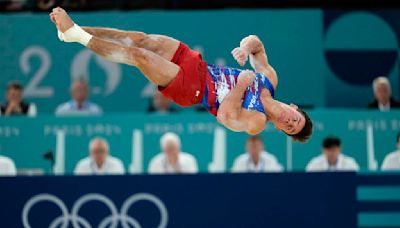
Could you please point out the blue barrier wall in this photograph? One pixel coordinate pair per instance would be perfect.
(261, 200)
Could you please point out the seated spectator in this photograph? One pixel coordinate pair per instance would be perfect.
(160, 104)
(100, 161)
(14, 105)
(392, 160)
(332, 158)
(7, 167)
(172, 159)
(79, 105)
(383, 95)
(256, 159)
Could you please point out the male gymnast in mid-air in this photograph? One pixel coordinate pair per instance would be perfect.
(241, 100)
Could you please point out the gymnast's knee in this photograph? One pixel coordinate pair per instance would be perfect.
(139, 55)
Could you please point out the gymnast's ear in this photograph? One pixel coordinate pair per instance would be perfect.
(294, 106)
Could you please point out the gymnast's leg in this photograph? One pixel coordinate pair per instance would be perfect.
(163, 46)
(155, 67)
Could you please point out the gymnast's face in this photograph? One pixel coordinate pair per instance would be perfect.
(288, 119)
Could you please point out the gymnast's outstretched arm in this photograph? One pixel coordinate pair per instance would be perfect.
(252, 47)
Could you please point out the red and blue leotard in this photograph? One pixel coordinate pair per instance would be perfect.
(220, 80)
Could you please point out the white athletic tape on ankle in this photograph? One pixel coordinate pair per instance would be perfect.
(60, 35)
(76, 34)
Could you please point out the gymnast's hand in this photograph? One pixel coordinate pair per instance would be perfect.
(246, 78)
(241, 55)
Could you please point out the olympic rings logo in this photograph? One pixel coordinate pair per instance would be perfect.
(110, 221)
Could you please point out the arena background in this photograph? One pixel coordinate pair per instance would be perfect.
(326, 54)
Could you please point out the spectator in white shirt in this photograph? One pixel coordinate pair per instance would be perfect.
(392, 160)
(172, 159)
(256, 159)
(384, 100)
(100, 161)
(79, 105)
(7, 167)
(332, 158)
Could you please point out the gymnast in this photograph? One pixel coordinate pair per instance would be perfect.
(242, 100)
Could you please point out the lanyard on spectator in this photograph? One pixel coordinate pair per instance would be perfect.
(93, 166)
(178, 168)
(261, 163)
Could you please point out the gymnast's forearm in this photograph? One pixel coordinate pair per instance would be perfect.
(255, 48)
(232, 103)
(252, 44)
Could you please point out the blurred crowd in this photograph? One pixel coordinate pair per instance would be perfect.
(172, 159)
(255, 159)
(46, 5)
(80, 105)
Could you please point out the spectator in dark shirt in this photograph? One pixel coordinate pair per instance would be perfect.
(160, 104)
(383, 95)
(14, 105)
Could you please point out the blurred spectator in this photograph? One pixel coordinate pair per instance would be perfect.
(99, 161)
(392, 160)
(45, 5)
(77, 4)
(14, 105)
(7, 167)
(160, 104)
(172, 159)
(332, 158)
(256, 159)
(79, 105)
(383, 95)
(13, 5)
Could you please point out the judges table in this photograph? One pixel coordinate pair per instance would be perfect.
(135, 139)
(204, 200)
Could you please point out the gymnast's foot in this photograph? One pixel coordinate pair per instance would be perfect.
(61, 19)
(68, 31)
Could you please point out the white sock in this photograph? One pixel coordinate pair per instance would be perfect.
(75, 34)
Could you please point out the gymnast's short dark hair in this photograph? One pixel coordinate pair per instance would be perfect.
(307, 130)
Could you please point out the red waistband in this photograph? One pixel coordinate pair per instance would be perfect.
(212, 95)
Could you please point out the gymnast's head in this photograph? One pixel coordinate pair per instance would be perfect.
(293, 121)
